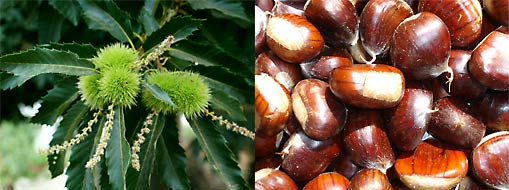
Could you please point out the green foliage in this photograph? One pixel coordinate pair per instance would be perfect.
(211, 43)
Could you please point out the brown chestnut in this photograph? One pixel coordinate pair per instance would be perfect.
(320, 114)
(326, 63)
(366, 141)
(305, 158)
(433, 165)
(286, 74)
(288, 7)
(494, 110)
(344, 166)
(497, 10)
(267, 162)
(378, 21)
(292, 38)
(453, 123)
(273, 106)
(272, 179)
(464, 85)
(336, 20)
(265, 146)
(408, 121)
(368, 85)
(489, 63)
(328, 181)
(462, 17)
(420, 46)
(371, 179)
(490, 160)
(260, 24)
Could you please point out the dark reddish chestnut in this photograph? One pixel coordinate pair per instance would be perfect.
(273, 106)
(282, 7)
(286, 74)
(371, 179)
(490, 162)
(497, 10)
(420, 46)
(439, 91)
(462, 17)
(326, 63)
(292, 38)
(320, 114)
(265, 146)
(271, 179)
(260, 24)
(366, 141)
(489, 63)
(305, 158)
(267, 162)
(463, 85)
(328, 181)
(378, 21)
(408, 121)
(453, 123)
(344, 166)
(336, 20)
(433, 165)
(265, 5)
(487, 26)
(494, 110)
(368, 85)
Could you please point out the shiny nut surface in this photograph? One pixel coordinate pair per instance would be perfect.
(489, 160)
(273, 106)
(328, 181)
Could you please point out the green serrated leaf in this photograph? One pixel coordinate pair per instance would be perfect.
(118, 152)
(225, 37)
(227, 103)
(69, 9)
(218, 154)
(82, 50)
(65, 132)
(57, 101)
(171, 159)
(229, 8)
(159, 93)
(146, 17)
(180, 27)
(39, 61)
(147, 155)
(113, 20)
(50, 25)
(78, 177)
(10, 81)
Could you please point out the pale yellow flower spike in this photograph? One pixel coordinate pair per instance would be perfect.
(230, 125)
(103, 141)
(135, 159)
(55, 149)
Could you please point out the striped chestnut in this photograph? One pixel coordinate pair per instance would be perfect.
(368, 85)
(320, 114)
(273, 106)
(433, 165)
(490, 162)
(272, 179)
(292, 38)
(462, 17)
(285, 73)
(497, 10)
(489, 63)
(328, 181)
(372, 179)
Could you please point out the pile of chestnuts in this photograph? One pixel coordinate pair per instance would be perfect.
(382, 94)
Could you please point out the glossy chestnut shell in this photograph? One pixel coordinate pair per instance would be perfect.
(490, 162)
(292, 38)
(285, 73)
(453, 123)
(464, 85)
(272, 179)
(494, 110)
(320, 114)
(368, 85)
(336, 20)
(326, 63)
(328, 181)
(433, 165)
(420, 46)
(497, 10)
(378, 21)
(409, 120)
(489, 63)
(272, 106)
(462, 17)
(366, 141)
(372, 179)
